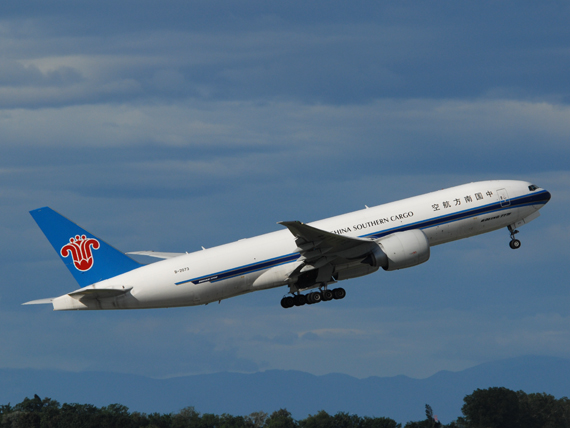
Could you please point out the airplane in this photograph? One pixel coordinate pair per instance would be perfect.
(309, 259)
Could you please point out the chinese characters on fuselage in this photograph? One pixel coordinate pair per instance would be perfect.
(467, 199)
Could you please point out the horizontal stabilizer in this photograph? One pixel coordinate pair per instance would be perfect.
(98, 293)
(40, 301)
(156, 254)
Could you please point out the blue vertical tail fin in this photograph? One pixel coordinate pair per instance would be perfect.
(88, 258)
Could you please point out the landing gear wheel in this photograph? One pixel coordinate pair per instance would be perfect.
(300, 300)
(515, 243)
(339, 293)
(317, 297)
(327, 295)
(287, 302)
(314, 297)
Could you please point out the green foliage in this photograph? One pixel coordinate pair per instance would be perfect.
(484, 408)
(320, 420)
(503, 408)
(345, 420)
(429, 422)
(381, 422)
(493, 407)
(281, 419)
(256, 419)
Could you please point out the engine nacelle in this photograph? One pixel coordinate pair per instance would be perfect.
(400, 250)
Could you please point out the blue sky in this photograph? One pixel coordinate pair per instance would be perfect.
(172, 125)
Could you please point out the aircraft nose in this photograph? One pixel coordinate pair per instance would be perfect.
(542, 198)
(547, 196)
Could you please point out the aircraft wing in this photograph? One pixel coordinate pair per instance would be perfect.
(319, 247)
(157, 254)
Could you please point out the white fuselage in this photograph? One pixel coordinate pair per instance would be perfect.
(266, 261)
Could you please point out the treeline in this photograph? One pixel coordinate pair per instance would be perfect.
(484, 408)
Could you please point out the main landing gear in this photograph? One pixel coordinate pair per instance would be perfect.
(311, 298)
(515, 243)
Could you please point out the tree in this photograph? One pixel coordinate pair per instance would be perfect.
(36, 404)
(543, 410)
(230, 421)
(188, 417)
(281, 419)
(115, 415)
(379, 423)
(429, 422)
(80, 415)
(492, 408)
(209, 420)
(256, 419)
(158, 420)
(346, 420)
(321, 420)
(4, 410)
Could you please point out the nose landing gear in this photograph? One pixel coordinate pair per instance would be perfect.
(515, 243)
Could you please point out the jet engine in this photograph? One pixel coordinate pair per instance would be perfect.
(400, 250)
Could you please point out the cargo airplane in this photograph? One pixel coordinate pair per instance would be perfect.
(308, 259)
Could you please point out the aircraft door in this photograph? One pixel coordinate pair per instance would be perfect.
(503, 197)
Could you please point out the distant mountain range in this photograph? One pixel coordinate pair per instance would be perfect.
(400, 397)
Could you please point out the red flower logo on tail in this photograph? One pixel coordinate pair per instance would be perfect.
(80, 250)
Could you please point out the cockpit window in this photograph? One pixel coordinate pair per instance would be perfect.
(532, 187)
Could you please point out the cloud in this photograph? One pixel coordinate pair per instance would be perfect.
(286, 339)
(15, 74)
(113, 341)
(200, 123)
(341, 55)
(145, 151)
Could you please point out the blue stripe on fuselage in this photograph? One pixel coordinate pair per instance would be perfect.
(242, 270)
(521, 201)
(533, 199)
